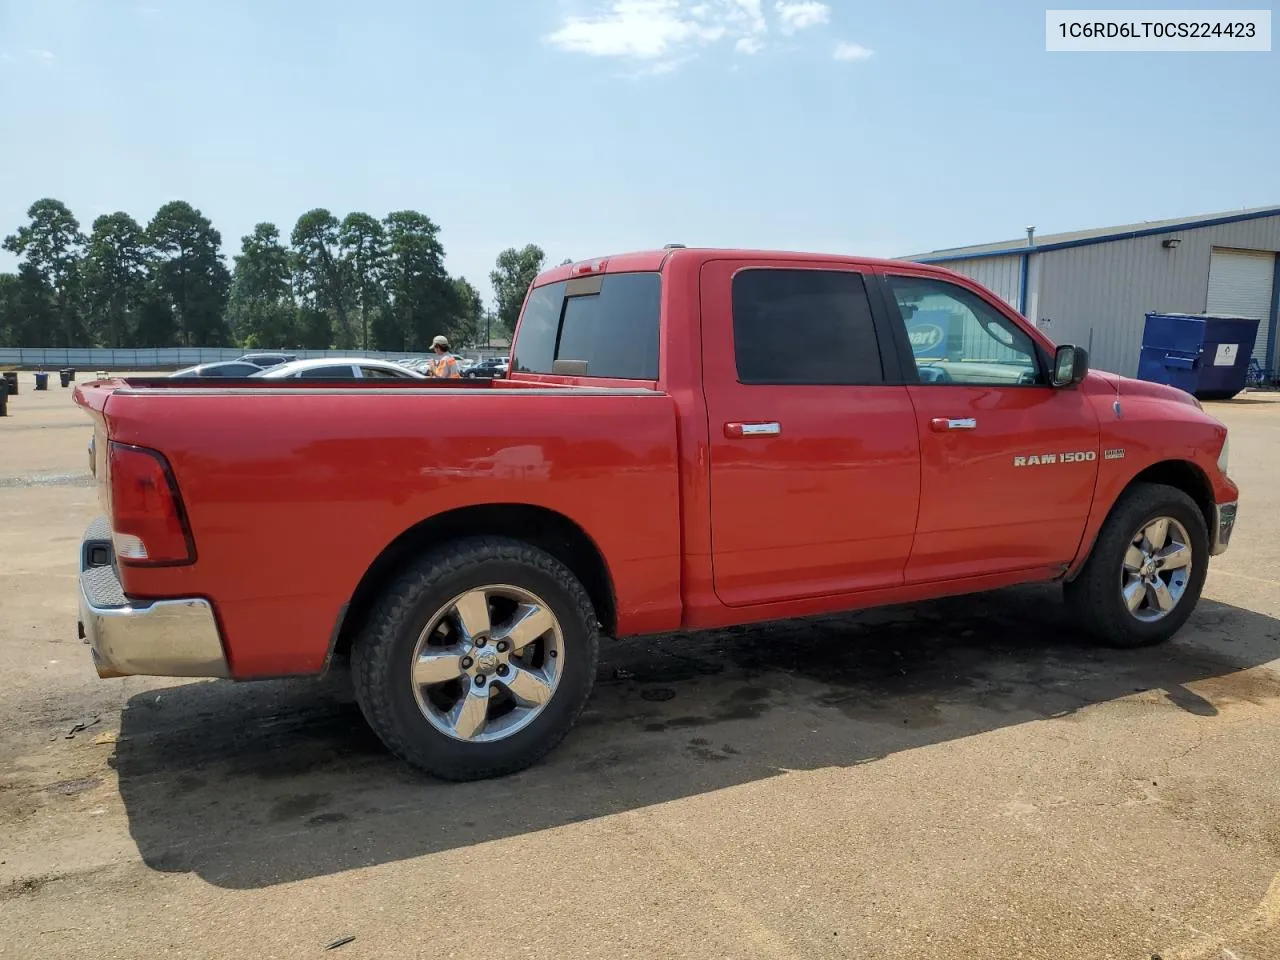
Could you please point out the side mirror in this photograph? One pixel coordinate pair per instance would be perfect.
(1070, 364)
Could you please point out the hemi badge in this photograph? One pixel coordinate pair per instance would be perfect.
(1116, 453)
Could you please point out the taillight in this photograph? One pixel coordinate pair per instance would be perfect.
(148, 523)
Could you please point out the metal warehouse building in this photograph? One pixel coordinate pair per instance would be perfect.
(1094, 288)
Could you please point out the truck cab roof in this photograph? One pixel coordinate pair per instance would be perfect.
(642, 260)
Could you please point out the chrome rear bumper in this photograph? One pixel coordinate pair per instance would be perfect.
(1225, 522)
(159, 638)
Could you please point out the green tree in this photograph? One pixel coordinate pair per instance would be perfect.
(468, 317)
(261, 311)
(52, 244)
(27, 312)
(321, 275)
(157, 325)
(190, 274)
(364, 249)
(515, 272)
(115, 278)
(422, 292)
(315, 328)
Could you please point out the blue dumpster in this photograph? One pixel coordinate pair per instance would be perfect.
(1207, 356)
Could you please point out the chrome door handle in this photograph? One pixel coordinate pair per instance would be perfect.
(737, 430)
(960, 423)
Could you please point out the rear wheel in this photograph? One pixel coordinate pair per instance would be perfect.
(478, 659)
(1146, 571)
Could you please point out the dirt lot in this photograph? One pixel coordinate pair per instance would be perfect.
(956, 779)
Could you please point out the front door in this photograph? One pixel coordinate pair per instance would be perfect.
(1008, 463)
(814, 461)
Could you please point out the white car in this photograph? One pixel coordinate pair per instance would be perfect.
(340, 368)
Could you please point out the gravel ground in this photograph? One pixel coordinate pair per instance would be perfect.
(953, 779)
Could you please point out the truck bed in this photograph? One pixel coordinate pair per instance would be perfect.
(295, 489)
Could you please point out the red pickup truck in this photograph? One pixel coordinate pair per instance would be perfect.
(686, 439)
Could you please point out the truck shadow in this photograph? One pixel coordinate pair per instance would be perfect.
(251, 785)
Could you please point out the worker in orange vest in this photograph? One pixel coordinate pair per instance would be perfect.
(443, 365)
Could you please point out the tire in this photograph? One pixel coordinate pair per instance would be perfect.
(408, 716)
(1096, 596)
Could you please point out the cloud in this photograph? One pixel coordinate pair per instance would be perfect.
(668, 32)
(643, 29)
(749, 13)
(797, 15)
(42, 55)
(851, 51)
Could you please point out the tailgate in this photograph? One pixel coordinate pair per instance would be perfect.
(92, 397)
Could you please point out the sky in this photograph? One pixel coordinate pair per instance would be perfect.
(598, 126)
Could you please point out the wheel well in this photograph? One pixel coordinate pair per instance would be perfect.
(1188, 478)
(537, 526)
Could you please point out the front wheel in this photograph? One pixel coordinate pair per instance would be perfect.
(478, 659)
(1146, 571)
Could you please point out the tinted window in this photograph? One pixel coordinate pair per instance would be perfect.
(376, 372)
(804, 327)
(610, 329)
(234, 370)
(957, 337)
(539, 324)
(320, 373)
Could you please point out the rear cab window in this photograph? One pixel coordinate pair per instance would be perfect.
(605, 326)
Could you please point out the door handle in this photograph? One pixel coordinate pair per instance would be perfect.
(948, 423)
(739, 431)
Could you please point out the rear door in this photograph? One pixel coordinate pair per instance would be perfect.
(1008, 462)
(814, 459)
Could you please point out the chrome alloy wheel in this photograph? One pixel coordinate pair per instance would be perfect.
(487, 663)
(1157, 569)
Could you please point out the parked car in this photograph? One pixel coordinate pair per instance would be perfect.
(266, 360)
(490, 369)
(692, 439)
(224, 368)
(331, 368)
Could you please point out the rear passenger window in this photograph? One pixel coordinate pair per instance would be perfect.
(327, 373)
(804, 327)
(593, 327)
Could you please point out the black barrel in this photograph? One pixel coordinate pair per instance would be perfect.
(64, 376)
(11, 378)
(4, 397)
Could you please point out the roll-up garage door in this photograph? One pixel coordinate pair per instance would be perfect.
(1240, 286)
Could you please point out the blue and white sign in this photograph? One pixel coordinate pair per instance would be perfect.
(928, 331)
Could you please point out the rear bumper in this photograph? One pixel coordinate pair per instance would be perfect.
(159, 638)
(1224, 524)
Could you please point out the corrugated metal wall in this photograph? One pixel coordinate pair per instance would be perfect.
(1098, 295)
(1001, 275)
